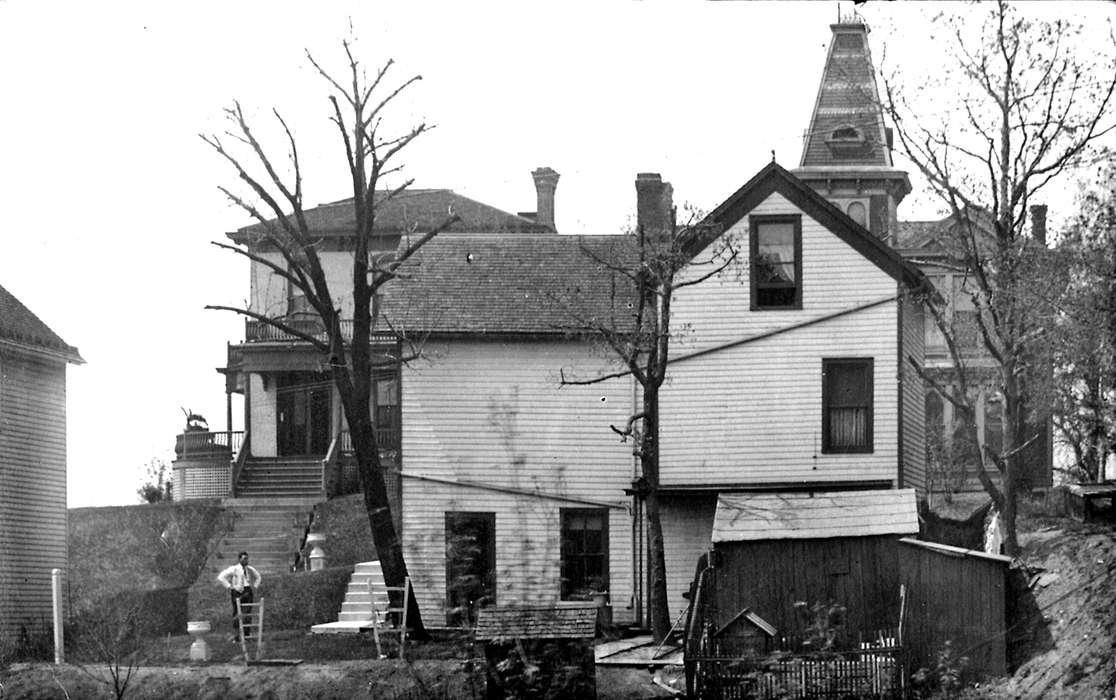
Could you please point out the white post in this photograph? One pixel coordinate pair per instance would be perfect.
(56, 594)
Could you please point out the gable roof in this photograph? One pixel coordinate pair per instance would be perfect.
(744, 517)
(420, 208)
(847, 98)
(20, 326)
(774, 178)
(573, 622)
(506, 283)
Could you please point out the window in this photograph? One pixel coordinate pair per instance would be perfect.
(847, 405)
(385, 407)
(776, 253)
(858, 213)
(470, 565)
(584, 552)
(846, 133)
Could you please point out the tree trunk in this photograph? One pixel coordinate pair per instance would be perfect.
(1013, 461)
(649, 461)
(389, 549)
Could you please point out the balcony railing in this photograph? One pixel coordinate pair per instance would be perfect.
(261, 332)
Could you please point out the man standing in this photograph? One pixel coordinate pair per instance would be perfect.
(240, 579)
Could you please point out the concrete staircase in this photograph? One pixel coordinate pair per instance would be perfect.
(280, 477)
(270, 530)
(366, 589)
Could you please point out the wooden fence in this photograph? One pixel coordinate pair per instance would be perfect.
(955, 595)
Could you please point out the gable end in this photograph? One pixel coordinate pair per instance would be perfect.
(774, 178)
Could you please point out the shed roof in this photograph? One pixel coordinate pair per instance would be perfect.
(508, 283)
(19, 325)
(744, 517)
(536, 623)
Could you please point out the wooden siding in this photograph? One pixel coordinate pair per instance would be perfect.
(912, 465)
(687, 530)
(32, 487)
(491, 413)
(860, 573)
(957, 595)
(753, 413)
(269, 290)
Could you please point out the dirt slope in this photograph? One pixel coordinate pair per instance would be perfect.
(1065, 644)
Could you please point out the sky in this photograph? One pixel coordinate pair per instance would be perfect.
(110, 199)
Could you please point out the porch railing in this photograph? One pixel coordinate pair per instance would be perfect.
(238, 464)
(199, 443)
(387, 438)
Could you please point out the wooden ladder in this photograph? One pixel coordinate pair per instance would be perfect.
(382, 612)
(250, 617)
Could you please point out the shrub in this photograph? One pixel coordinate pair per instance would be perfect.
(293, 601)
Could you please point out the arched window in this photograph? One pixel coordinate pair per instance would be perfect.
(858, 213)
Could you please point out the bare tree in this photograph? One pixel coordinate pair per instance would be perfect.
(358, 104)
(1028, 107)
(645, 269)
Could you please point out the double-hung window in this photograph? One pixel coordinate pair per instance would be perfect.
(776, 255)
(847, 405)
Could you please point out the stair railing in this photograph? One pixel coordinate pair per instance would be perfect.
(237, 465)
(329, 465)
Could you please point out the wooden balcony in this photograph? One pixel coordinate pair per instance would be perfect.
(308, 324)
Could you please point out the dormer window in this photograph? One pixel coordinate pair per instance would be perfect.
(847, 140)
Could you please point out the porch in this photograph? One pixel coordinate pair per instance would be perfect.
(210, 464)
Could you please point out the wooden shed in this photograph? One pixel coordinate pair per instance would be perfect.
(529, 650)
(958, 596)
(774, 550)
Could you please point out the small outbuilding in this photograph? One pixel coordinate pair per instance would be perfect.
(532, 650)
(774, 550)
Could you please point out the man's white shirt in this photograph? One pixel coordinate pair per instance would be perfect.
(237, 576)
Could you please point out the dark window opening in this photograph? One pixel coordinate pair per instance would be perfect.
(776, 254)
(847, 133)
(847, 405)
(584, 552)
(470, 566)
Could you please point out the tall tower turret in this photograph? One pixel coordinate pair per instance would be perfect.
(846, 152)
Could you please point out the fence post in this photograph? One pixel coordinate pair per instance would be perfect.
(56, 594)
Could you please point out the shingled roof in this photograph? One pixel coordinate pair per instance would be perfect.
(508, 283)
(20, 326)
(847, 103)
(536, 623)
(421, 209)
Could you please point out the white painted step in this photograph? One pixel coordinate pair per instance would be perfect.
(366, 586)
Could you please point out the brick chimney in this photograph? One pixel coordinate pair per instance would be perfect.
(654, 205)
(546, 181)
(1038, 222)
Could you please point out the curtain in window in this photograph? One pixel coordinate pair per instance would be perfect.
(848, 427)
